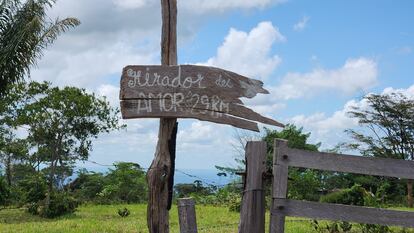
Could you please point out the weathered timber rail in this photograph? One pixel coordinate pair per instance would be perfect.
(285, 157)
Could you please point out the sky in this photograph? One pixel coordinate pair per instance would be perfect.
(317, 59)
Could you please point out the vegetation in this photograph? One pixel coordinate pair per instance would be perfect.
(25, 31)
(104, 218)
(388, 123)
(124, 184)
(60, 126)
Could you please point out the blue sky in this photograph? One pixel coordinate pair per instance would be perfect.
(317, 58)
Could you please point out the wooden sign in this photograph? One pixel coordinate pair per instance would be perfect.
(189, 91)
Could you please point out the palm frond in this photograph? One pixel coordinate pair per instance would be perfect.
(59, 26)
(25, 31)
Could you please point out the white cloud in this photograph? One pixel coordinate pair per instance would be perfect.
(409, 92)
(111, 93)
(203, 6)
(248, 53)
(355, 75)
(132, 4)
(299, 26)
(330, 129)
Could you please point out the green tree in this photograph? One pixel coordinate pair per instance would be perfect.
(387, 123)
(303, 183)
(126, 183)
(87, 185)
(25, 31)
(61, 125)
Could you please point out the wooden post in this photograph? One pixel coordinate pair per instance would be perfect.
(252, 213)
(187, 215)
(159, 173)
(279, 185)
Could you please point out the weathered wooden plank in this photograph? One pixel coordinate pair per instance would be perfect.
(247, 113)
(187, 215)
(130, 110)
(280, 181)
(279, 186)
(348, 163)
(188, 95)
(357, 214)
(193, 86)
(252, 214)
(180, 103)
(198, 79)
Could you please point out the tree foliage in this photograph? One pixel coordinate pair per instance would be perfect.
(25, 31)
(388, 121)
(388, 129)
(60, 124)
(124, 184)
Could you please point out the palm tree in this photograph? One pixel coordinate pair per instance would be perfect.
(25, 30)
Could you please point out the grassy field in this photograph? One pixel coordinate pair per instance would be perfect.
(104, 218)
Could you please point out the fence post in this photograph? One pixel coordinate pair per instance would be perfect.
(187, 215)
(252, 213)
(279, 185)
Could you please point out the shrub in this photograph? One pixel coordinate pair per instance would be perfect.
(334, 227)
(234, 202)
(61, 203)
(4, 191)
(33, 208)
(356, 195)
(34, 188)
(123, 212)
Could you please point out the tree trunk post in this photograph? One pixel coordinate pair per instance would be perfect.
(410, 193)
(160, 172)
(187, 215)
(252, 212)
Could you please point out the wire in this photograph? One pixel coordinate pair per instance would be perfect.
(203, 180)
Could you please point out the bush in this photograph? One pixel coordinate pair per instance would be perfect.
(304, 184)
(34, 188)
(4, 191)
(33, 208)
(61, 203)
(123, 212)
(356, 195)
(234, 202)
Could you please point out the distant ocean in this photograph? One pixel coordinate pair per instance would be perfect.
(206, 176)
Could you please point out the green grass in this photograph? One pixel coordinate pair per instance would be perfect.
(104, 218)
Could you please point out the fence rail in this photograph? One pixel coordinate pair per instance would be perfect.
(347, 163)
(348, 213)
(281, 207)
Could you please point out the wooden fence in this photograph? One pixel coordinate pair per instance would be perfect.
(284, 157)
(252, 215)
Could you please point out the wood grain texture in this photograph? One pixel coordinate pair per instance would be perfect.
(158, 175)
(129, 111)
(279, 186)
(188, 86)
(199, 79)
(357, 214)
(252, 214)
(348, 163)
(187, 215)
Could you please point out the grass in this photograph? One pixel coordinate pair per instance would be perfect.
(104, 218)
